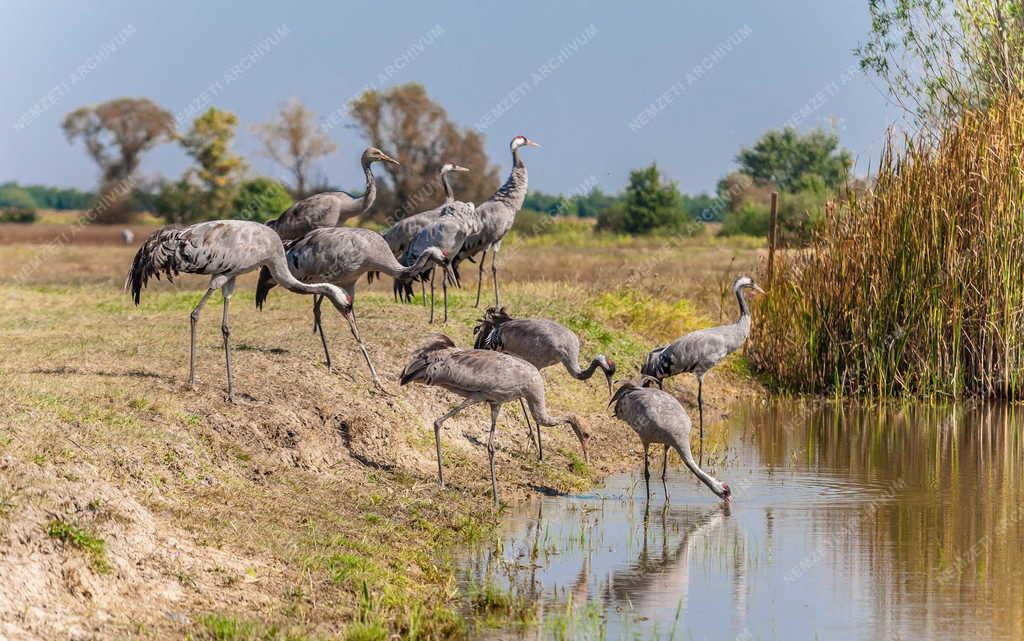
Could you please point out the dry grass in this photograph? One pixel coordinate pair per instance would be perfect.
(310, 506)
(914, 288)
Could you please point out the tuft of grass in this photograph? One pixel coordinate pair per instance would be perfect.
(81, 538)
(372, 631)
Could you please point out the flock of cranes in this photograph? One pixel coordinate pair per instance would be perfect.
(308, 250)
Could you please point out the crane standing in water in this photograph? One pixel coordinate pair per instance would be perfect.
(657, 417)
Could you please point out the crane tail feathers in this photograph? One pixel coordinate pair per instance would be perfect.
(263, 286)
(160, 254)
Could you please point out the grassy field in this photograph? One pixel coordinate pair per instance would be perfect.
(131, 507)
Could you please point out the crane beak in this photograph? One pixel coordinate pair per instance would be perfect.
(460, 168)
(530, 143)
(759, 290)
(387, 158)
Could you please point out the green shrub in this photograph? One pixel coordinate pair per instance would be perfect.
(17, 215)
(261, 199)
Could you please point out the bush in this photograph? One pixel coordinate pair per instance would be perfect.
(913, 287)
(261, 199)
(17, 215)
(11, 195)
(799, 215)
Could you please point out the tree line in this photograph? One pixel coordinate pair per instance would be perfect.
(407, 122)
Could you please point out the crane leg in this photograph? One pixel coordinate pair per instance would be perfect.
(225, 330)
(351, 318)
(423, 291)
(316, 308)
(431, 297)
(444, 289)
(319, 327)
(700, 411)
(495, 408)
(437, 433)
(480, 278)
(193, 320)
(529, 426)
(664, 462)
(494, 277)
(647, 470)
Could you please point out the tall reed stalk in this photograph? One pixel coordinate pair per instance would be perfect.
(916, 286)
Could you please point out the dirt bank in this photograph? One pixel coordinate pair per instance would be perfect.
(133, 507)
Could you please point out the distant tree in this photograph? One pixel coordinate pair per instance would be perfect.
(701, 207)
(260, 199)
(939, 57)
(16, 197)
(176, 201)
(787, 159)
(116, 134)
(651, 204)
(295, 140)
(218, 170)
(404, 122)
(591, 204)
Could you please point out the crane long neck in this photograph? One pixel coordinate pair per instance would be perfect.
(683, 448)
(415, 268)
(278, 267)
(449, 195)
(371, 187)
(582, 375)
(513, 192)
(744, 309)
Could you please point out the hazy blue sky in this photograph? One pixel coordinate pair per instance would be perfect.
(760, 63)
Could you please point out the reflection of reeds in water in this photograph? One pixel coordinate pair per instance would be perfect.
(946, 553)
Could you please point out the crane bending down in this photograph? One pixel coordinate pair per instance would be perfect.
(401, 234)
(497, 214)
(699, 351)
(482, 376)
(541, 343)
(222, 249)
(657, 417)
(332, 208)
(340, 256)
(457, 221)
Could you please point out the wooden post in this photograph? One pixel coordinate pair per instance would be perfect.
(772, 237)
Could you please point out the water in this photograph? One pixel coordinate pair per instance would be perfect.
(847, 522)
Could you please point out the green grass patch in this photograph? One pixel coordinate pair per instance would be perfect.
(81, 538)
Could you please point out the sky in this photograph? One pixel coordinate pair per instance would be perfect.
(604, 86)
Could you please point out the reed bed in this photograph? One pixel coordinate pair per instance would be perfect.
(914, 287)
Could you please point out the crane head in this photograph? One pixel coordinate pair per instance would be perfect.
(522, 141)
(372, 154)
(450, 166)
(746, 282)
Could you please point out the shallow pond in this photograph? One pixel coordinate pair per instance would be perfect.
(847, 522)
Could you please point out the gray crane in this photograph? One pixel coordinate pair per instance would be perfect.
(497, 214)
(340, 256)
(222, 249)
(401, 234)
(699, 351)
(332, 208)
(457, 222)
(482, 376)
(541, 343)
(657, 417)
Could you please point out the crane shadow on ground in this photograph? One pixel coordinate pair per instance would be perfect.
(246, 347)
(74, 371)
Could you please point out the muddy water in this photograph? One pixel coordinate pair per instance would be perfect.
(847, 522)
